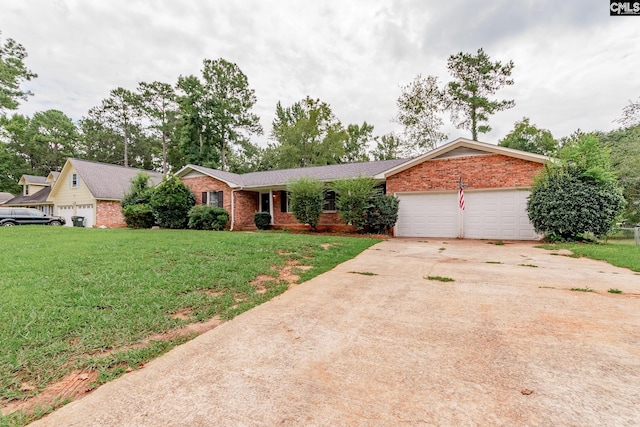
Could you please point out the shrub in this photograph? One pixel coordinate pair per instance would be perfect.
(568, 206)
(306, 200)
(262, 220)
(139, 193)
(171, 202)
(208, 218)
(138, 216)
(353, 200)
(382, 213)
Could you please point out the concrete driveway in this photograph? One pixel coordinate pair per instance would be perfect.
(506, 343)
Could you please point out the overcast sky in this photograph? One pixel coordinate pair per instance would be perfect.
(575, 66)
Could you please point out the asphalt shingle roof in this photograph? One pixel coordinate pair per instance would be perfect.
(107, 181)
(32, 179)
(5, 197)
(284, 176)
(34, 199)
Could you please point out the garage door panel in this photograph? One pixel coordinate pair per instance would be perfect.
(422, 216)
(87, 212)
(498, 215)
(488, 215)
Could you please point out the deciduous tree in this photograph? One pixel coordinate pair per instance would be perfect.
(307, 134)
(528, 137)
(388, 147)
(420, 108)
(13, 72)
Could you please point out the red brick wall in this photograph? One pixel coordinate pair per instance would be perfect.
(486, 171)
(329, 221)
(199, 184)
(246, 201)
(109, 214)
(247, 204)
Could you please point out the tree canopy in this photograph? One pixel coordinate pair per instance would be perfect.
(527, 137)
(13, 72)
(475, 79)
(419, 111)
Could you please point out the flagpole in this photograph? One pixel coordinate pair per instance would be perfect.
(461, 210)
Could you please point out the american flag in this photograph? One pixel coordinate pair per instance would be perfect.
(461, 196)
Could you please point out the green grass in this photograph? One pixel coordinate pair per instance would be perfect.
(493, 262)
(528, 265)
(614, 291)
(79, 298)
(616, 253)
(364, 273)
(440, 278)
(586, 289)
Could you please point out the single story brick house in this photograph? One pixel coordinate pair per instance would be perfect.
(94, 190)
(496, 183)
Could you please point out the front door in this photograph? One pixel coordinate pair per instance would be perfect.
(265, 202)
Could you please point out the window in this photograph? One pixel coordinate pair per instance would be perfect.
(329, 201)
(74, 181)
(213, 198)
(285, 205)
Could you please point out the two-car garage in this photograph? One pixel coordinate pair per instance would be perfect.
(496, 182)
(491, 214)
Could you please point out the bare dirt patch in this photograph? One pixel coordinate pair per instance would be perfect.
(79, 383)
(289, 274)
(72, 386)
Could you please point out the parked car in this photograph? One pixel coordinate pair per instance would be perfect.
(24, 216)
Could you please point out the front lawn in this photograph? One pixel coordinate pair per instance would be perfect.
(619, 253)
(88, 300)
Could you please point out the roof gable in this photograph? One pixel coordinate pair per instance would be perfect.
(104, 181)
(463, 147)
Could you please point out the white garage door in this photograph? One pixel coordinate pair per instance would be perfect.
(428, 215)
(88, 213)
(488, 215)
(66, 212)
(497, 215)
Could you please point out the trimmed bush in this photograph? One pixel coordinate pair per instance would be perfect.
(138, 216)
(208, 218)
(382, 213)
(262, 220)
(171, 202)
(354, 198)
(307, 198)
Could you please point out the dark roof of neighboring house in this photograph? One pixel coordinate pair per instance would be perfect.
(39, 198)
(4, 197)
(283, 176)
(111, 182)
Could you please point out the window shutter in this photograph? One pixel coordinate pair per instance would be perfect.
(204, 197)
(283, 201)
(220, 199)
